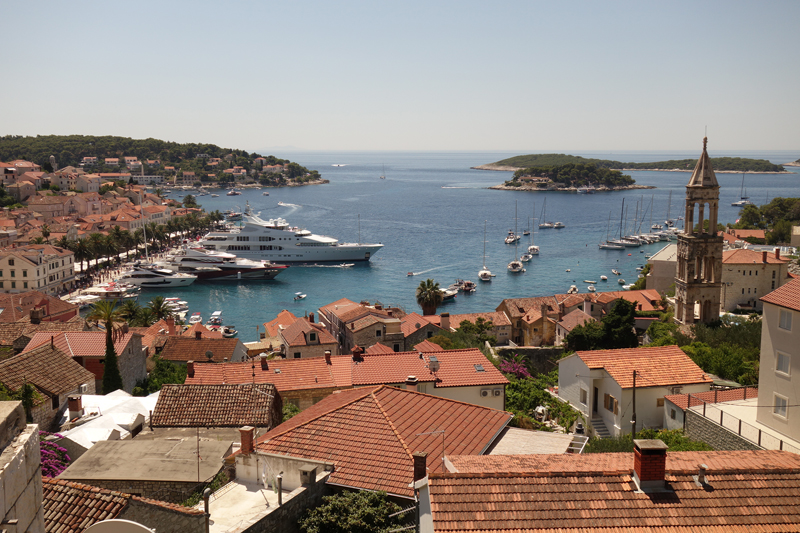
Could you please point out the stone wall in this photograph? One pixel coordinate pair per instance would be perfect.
(284, 519)
(131, 362)
(167, 491)
(700, 428)
(543, 360)
(305, 398)
(20, 471)
(163, 518)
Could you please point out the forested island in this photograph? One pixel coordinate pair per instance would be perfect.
(720, 164)
(209, 162)
(570, 176)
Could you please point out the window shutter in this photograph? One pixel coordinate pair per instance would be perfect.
(606, 403)
(616, 407)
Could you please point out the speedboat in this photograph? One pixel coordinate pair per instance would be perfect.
(276, 240)
(448, 294)
(115, 292)
(615, 272)
(572, 289)
(589, 281)
(511, 238)
(196, 318)
(152, 277)
(591, 288)
(233, 192)
(299, 296)
(83, 300)
(559, 225)
(215, 196)
(621, 281)
(215, 319)
(265, 193)
(229, 332)
(527, 256)
(603, 278)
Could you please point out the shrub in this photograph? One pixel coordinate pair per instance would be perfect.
(54, 458)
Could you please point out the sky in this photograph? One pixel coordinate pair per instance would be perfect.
(527, 76)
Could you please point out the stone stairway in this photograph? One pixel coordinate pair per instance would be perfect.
(600, 428)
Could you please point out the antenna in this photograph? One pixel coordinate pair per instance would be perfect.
(436, 432)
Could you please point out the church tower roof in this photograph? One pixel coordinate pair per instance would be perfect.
(703, 175)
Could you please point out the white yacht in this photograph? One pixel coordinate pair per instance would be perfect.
(152, 277)
(484, 274)
(276, 240)
(211, 265)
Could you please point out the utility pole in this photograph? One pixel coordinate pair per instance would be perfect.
(633, 420)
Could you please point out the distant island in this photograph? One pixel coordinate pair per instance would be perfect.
(720, 164)
(570, 177)
(206, 163)
(793, 164)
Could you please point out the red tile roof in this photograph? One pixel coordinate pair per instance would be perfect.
(192, 331)
(497, 318)
(747, 491)
(412, 322)
(285, 318)
(285, 374)
(370, 434)
(660, 366)
(297, 334)
(787, 295)
(744, 256)
(16, 306)
(215, 405)
(49, 369)
(713, 396)
(428, 346)
(377, 349)
(79, 343)
(184, 349)
(574, 319)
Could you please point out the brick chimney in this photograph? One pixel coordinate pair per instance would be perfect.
(311, 317)
(777, 253)
(764, 256)
(75, 407)
(37, 315)
(327, 357)
(198, 335)
(649, 463)
(264, 363)
(190, 368)
(170, 326)
(247, 438)
(411, 383)
(420, 465)
(357, 352)
(445, 320)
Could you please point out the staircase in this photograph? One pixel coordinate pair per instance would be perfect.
(600, 428)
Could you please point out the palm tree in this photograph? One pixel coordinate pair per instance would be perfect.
(63, 242)
(96, 247)
(81, 251)
(46, 233)
(37, 240)
(131, 311)
(106, 311)
(110, 247)
(137, 239)
(159, 308)
(429, 296)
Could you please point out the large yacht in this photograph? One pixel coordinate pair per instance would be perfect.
(276, 240)
(152, 277)
(212, 265)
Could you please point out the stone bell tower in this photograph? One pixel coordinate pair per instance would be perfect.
(697, 281)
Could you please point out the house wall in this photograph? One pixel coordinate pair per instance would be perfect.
(250, 468)
(473, 395)
(312, 350)
(20, 471)
(132, 365)
(746, 283)
(673, 423)
(163, 519)
(661, 275)
(307, 397)
(770, 381)
(700, 428)
(425, 332)
(368, 336)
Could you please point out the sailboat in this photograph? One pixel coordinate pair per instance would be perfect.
(608, 244)
(745, 200)
(515, 266)
(383, 174)
(544, 224)
(484, 274)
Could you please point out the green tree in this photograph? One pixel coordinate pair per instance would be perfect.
(289, 410)
(353, 512)
(163, 372)
(429, 296)
(106, 311)
(46, 233)
(159, 308)
(190, 201)
(616, 330)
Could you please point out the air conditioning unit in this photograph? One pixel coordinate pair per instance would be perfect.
(498, 392)
(84, 388)
(485, 393)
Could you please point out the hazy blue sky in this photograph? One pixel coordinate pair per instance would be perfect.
(414, 75)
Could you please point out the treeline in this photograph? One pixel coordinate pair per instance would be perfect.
(576, 174)
(776, 217)
(738, 164)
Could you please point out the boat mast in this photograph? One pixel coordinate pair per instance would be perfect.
(484, 245)
(621, 211)
(359, 228)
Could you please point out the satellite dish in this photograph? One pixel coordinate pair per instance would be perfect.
(210, 355)
(118, 526)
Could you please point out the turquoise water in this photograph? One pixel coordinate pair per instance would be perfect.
(429, 213)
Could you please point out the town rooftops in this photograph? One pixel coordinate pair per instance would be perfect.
(185, 349)
(660, 366)
(14, 307)
(79, 343)
(684, 401)
(574, 319)
(285, 318)
(298, 333)
(753, 491)
(744, 256)
(370, 434)
(49, 369)
(215, 405)
(496, 318)
(787, 295)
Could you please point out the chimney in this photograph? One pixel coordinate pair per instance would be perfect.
(411, 384)
(247, 438)
(649, 463)
(390, 312)
(75, 407)
(777, 253)
(171, 326)
(311, 317)
(264, 363)
(420, 465)
(357, 351)
(124, 328)
(190, 368)
(586, 307)
(764, 256)
(701, 474)
(445, 321)
(36, 316)
(327, 357)
(198, 335)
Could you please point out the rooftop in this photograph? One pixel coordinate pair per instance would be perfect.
(184, 349)
(214, 405)
(787, 295)
(48, 369)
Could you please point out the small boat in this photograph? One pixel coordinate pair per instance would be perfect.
(448, 293)
(215, 319)
(527, 256)
(615, 272)
(265, 193)
(511, 238)
(745, 200)
(215, 196)
(603, 278)
(410, 274)
(559, 225)
(568, 270)
(589, 281)
(484, 274)
(299, 296)
(591, 288)
(229, 332)
(233, 192)
(572, 289)
(196, 318)
(621, 281)
(515, 266)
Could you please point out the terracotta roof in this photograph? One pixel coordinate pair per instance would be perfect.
(297, 334)
(48, 369)
(787, 295)
(497, 318)
(192, 331)
(660, 366)
(285, 318)
(428, 346)
(747, 491)
(285, 374)
(370, 434)
(79, 343)
(377, 349)
(214, 405)
(11, 331)
(23, 303)
(412, 322)
(713, 396)
(185, 349)
(744, 256)
(574, 319)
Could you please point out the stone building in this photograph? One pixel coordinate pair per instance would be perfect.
(747, 275)
(698, 280)
(20, 471)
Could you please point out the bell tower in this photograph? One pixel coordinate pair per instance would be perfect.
(697, 280)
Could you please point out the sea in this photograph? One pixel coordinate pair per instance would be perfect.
(430, 212)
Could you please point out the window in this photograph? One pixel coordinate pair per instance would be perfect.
(672, 414)
(55, 403)
(659, 402)
(773, 274)
(297, 355)
(13, 273)
(584, 396)
(377, 333)
(13, 284)
(396, 347)
(25, 285)
(782, 363)
(780, 406)
(11, 262)
(786, 320)
(24, 273)
(611, 403)
(312, 337)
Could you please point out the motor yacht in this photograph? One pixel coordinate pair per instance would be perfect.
(219, 266)
(152, 277)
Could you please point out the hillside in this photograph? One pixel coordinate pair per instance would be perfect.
(69, 150)
(721, 164)
(574, 175)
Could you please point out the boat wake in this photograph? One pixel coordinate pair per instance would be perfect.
(285, 204)
(431, 269)
(341, 265)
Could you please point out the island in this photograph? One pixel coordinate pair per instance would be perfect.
(190, 164)
(720, 164)
(793, 164)
(580, 177)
